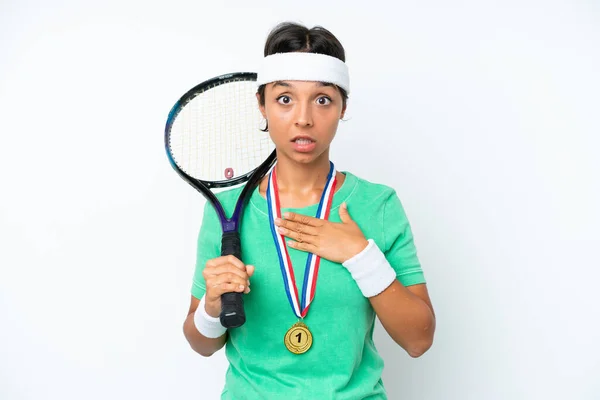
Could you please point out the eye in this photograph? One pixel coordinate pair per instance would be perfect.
(324, 100)
(284, 99)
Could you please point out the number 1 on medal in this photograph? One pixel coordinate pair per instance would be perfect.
(300, 331)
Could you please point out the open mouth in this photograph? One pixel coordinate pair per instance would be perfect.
(303, 141)
(304, 144)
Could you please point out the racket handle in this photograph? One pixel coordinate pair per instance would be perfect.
(232, 304)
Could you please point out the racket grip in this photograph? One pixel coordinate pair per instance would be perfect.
(232, 304)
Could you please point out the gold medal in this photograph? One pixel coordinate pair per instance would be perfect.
(298, 338)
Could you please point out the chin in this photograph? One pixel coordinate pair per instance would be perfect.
(303, 158)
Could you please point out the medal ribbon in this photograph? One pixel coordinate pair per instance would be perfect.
(312, 263)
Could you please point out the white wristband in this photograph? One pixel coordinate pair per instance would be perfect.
(208, 326)
(371, 270)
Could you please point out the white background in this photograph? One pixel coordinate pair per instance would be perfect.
(483, 115)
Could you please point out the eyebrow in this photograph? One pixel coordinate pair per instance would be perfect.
(285, 84)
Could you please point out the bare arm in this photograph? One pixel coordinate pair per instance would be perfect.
(199, 343)
(407, 315)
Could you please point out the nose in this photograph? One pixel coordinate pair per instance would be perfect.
(304, 115)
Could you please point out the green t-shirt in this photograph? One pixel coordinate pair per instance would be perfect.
(343, 362)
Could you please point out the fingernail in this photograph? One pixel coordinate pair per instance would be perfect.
(241, 287)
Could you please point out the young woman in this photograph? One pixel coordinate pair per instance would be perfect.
(308, 223)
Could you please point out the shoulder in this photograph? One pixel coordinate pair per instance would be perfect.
(378, 200)
(367, 191)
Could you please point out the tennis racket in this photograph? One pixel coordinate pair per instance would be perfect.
(213, 141)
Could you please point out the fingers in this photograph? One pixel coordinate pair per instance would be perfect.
(303, 246)
(298, 227)
(344, 215)
(225, 269)
(226, 283)
(226, 274)
(297, 236)
(303, 219)
(230, 259)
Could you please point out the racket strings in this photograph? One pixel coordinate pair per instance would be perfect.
(216, 135)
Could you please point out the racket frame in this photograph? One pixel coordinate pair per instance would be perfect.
(203, 186)
(230, 242)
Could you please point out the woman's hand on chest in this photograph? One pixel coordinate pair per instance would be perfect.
(334, 241)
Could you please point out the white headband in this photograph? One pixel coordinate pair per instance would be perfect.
(300, 66)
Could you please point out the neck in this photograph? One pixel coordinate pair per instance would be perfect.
(299, 184)
(302, 179)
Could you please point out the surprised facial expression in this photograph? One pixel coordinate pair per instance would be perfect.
(303, 117)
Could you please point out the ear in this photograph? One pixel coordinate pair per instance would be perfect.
(343, 111)
(261, 107)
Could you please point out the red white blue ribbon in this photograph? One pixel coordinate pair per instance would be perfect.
(312, 263)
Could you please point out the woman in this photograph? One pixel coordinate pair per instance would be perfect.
(307, 222)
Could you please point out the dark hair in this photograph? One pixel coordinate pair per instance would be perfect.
(290, 37)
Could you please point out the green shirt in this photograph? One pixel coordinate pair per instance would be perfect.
(343, 362)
